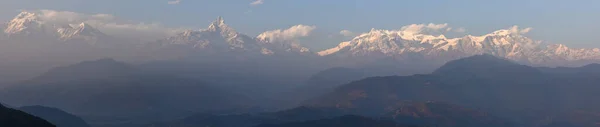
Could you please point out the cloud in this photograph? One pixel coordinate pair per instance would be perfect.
(248, 12)
(460, 30)
(526, 30)
(289, 34)
(515, 29)
(107, 23)
(174, 2)
(67, 16)
(432, 29)
(426, 28)
(257, 2)
(347, 33)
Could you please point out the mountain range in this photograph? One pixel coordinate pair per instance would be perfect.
(217, 77)
(218, 37)
(410, 114)
(105, 88)
(507, 43)
(29, 24)
(398, 45)
(481, 90)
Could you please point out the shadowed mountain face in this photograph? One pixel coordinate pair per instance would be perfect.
(484, 82)
(55, 116)
(15, 118)
(110, 88)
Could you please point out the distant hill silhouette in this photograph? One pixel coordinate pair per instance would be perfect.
(486, 67)
(443, 115)
(15, 118)
(89, 70)
(110, 88)
(497, 86)
(55, 116)
(324, 82)
(343, 121)
(336, 76)
(250, 120)
(407, 113)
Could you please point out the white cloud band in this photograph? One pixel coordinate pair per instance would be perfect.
(347, 33)
(257, 2)
(289, 34)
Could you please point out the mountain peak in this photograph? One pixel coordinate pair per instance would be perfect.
(24, 22)
(218, 25)
(508, 43)
(26, 15)
(220, 20)
(219, 37)
(85, 28)
(82, 30)
(84, 25)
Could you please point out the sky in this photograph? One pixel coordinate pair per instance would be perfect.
(573, 22)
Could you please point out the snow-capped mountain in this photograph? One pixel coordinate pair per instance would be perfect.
(219, 37)
(82, 31)
(280, 45)
(26, 23)
(503, 43)
(31, 25)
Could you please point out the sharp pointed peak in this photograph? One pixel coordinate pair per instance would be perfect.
(78, 26)
(220, 20)
(80, 30)
(83, 24)
(219, 26)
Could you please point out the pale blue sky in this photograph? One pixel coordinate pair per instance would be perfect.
(571, 22)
